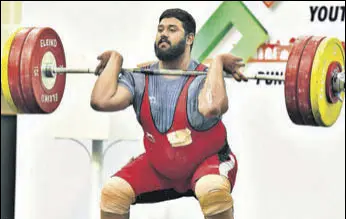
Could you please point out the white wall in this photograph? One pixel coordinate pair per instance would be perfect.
(286, 171)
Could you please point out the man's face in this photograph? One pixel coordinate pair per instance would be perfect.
(170, 40)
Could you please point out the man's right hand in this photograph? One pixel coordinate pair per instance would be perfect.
(104, 58)
(106, 95)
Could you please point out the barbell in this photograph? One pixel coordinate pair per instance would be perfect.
(34, 74)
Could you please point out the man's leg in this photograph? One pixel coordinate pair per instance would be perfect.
(213, 182)
(127, 187)
(116, 197)
(214, 195)
(107, 215)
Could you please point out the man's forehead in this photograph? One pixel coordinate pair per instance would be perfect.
(171, 21)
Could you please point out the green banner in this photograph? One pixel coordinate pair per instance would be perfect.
(226, 16)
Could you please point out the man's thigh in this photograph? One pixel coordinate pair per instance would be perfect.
(224, 163)
(148, 185)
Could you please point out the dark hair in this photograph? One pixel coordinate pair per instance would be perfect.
(188, 21)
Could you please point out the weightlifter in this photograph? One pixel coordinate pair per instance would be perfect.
(186, 148)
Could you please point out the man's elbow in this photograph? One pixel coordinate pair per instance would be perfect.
(214, 110)
(108, 105)
(211, 112)
(98, 105)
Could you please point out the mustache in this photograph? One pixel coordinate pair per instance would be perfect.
(164, 40)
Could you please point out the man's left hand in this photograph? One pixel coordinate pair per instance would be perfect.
(232, 65)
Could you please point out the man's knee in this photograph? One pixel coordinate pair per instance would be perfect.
(214, 194)
(117, 195)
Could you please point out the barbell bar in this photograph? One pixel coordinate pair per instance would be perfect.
(338, 78)
(34, 67)
(51, 71)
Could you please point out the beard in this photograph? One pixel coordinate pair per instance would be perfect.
(171, 53)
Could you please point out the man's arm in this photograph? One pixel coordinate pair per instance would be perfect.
(107, 95)
(213, 100)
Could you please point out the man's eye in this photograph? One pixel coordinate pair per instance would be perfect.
(172, 29)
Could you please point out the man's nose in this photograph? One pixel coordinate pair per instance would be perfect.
(164, 34)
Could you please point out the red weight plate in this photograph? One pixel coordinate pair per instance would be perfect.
(42, 94)
(291, 79)
(14, 69)
(334, 67)
(303, 82)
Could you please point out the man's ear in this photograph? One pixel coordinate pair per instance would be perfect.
(190, 38)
